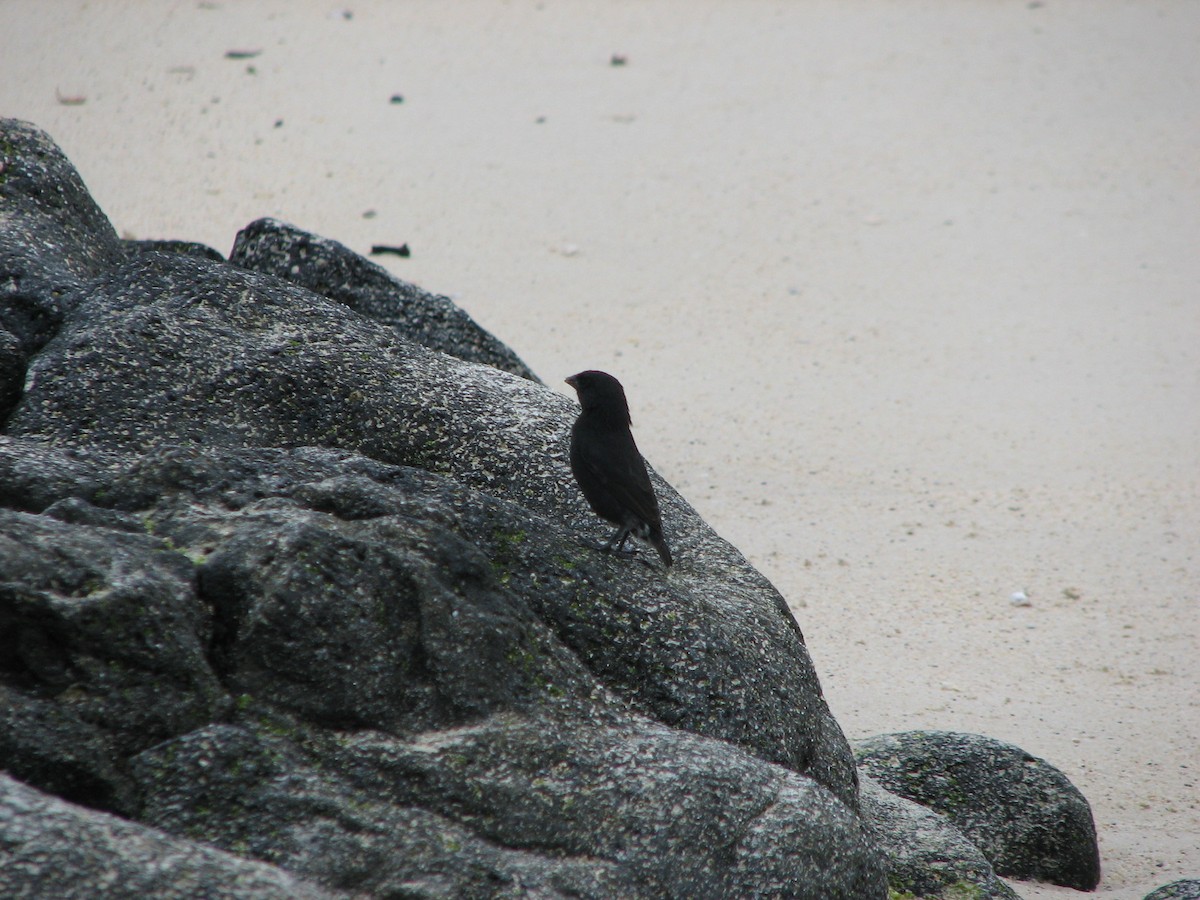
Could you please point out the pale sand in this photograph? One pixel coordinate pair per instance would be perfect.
(906, 297)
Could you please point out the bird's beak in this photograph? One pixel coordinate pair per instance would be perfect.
(570, 381)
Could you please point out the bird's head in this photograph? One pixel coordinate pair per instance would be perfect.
(601, 394)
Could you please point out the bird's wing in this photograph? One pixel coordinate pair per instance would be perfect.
(614, 461)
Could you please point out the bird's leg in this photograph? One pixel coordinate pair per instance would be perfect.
(616, 544)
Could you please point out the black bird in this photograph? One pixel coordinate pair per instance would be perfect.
(610, 470)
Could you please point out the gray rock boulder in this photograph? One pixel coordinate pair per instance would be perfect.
(292, 566)
(184, 248)
(926, 855)
(552, 805)
(171, 349)
(250, 528)
(55, 237)
(334, 271)
(1024, 814)
(51, 848)
(12, 372)
(1187, 889)
(389, 711)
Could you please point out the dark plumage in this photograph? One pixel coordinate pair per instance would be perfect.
(606, 463)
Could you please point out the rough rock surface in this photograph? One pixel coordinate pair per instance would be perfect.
(278, 577)
(1024, 814)
(51, 848)
(1187, 889)
(351, 685)
(334, 271)
(12, 372)
(55, 237)
(926, 855)
(295, 580)
(184, 248)
(170, 349)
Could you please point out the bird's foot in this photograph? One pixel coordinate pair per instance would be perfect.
(622, 552)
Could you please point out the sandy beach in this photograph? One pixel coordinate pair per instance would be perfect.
(905, 297)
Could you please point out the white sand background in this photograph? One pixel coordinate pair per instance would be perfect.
(905, 295)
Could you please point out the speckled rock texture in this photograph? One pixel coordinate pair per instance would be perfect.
(1024, 814)
(1187, 889)
(330, 664)
(298, 598)
(282, 576)
(334, 271)
(926, 855)
(51, 848)
(54, 236)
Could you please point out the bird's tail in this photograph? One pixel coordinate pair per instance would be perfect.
(659, 543)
